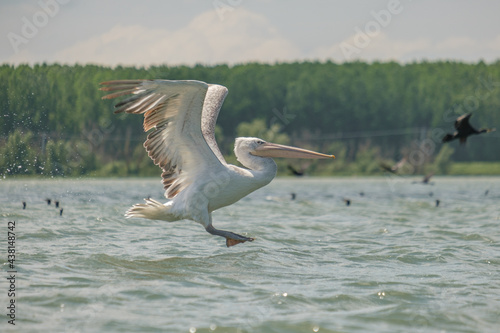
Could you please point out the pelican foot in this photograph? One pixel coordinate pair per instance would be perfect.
(231, 238)
(232, 241)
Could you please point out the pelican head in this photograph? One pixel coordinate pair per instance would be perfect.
(261, 148)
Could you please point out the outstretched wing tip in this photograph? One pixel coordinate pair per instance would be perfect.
(167, 107)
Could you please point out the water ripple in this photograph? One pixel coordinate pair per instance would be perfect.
(391, 261)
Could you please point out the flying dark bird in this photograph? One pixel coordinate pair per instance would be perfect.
(298, 172)
(294, 171)
(347, 201)
(24, 204)
(294, 196)
(437, 203)
(464, 129)
(48, 201)
(57, 204)
(60, 212)
(486, 192)
(426, 179)
(395, 167)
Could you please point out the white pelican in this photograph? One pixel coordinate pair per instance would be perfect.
(195, 175)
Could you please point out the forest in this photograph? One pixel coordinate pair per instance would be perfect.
(54, 123)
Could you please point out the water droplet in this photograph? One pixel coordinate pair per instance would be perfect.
(285, 294)
(192, 329)
(315, 328)
(213, 327)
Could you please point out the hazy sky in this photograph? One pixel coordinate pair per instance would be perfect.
(148, 32)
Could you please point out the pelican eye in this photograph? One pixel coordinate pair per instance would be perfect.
(260, 142)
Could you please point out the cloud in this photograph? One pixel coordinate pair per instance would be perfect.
(455, 43)
(495, 44)
(381, 47)
(238, 36)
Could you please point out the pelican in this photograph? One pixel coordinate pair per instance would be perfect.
(196, 178)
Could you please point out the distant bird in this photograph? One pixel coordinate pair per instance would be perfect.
(426, 179)
(48, 201)
(60, 212)
(197, 179)
(293, 195)
(486, 192)
(24, 204)
(464, 130)
(347, 201)
(298, 172)
(437, 203)
(294, 171)
(57, 204)
(362, 194)
(395, 167)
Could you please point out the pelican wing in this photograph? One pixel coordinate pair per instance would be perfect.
(213, 102)
(176, 111)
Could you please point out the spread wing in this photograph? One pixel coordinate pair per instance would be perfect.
(462, 122)
(428, 177)
(213, 102)
(176, 111)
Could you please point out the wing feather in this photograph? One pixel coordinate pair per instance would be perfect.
(462, 122)
(182, 115)
(211, 108)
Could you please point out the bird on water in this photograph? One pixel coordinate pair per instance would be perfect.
(464, 130)
(196, 178)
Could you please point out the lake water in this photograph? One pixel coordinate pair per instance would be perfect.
(391, 261)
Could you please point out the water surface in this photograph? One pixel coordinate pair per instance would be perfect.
(391, 261)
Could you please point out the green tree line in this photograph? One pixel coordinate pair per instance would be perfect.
(53, 121)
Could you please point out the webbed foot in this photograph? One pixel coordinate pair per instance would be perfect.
(232, 241)
(231, 238)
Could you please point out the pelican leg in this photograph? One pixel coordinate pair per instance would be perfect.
(231, 237)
